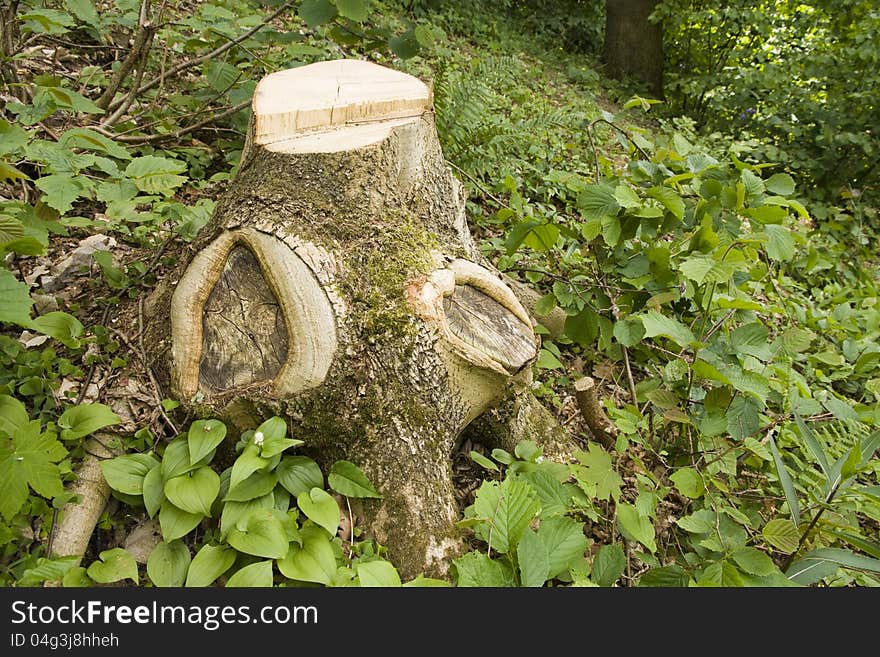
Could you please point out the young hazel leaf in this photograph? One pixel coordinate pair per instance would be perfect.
(533, 560)
(608, 564)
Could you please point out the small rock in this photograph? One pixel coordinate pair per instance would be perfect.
(44, 303)
(142, 539)
(80, 258)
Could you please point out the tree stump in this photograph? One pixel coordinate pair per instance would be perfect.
(337, 285)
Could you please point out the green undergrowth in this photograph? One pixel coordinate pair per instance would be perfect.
(729, 311)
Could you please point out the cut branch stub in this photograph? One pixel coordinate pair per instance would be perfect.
(247, 311)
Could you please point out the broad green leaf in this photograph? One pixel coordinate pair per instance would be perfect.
(175, 522)
(115, 565)
(475, 569)
(203, 437)
(15, 300)
(378, 574)
(255, 575)
(547, 361)
(93, 141)
(210, 562)
(743, 417)
(597, 201)
(704, 268)
(780, 183)
(270, 437)
(259, 533)
(533, 559)
(317, 12)
(10, 229)
(753, 184)
(347, 479)
(688, 482)
(12, 138)
(48, 21)
(84, 10)
(509, 507)
(782, 534)
(754, 562)
(320, 507)
(660, 325)
(554, 495)
(752, 339)
(356, 10)
(565, 542)
(257, 485)
(626, 197)
(220, 75)
(126, 473)
(195, 491)
(699, 522)
(59, 325)
(153, 490)
(48, 570)
(629, 332)
(60, 190)
(315, 561)
(582, 328)
(636, 527)
(168, 563)
(29, 460)
(10, 173)
(70, 99)
(156, 175)
(670, 200)
(597, 476)
(83, 419)
(542, 237)
(785, 482)
(665, 576)
(13, 415)
(518, 234)
(608, 564)
(780, 243)
(298, 474)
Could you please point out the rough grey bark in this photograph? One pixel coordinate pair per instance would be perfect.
(633, 45)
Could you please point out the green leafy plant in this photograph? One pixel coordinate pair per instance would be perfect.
(265, 520)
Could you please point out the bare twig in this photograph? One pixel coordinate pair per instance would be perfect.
(177, 134)
(142, 40)
(174, 70)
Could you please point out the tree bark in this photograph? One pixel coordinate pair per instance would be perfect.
(337, 285)
(633, 45)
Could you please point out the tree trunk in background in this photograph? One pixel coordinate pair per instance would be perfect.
(337, 285)
(633, 45)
